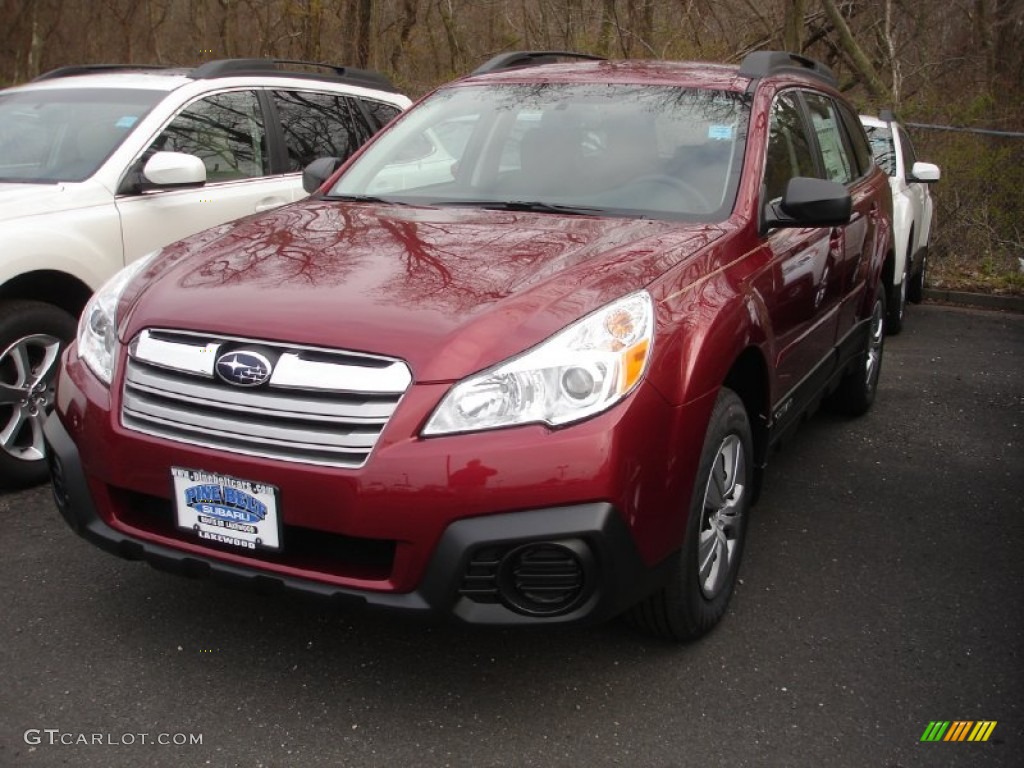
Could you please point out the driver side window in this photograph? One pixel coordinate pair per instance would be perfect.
(790, 150)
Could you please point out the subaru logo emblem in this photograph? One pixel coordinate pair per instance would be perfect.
(244, 368)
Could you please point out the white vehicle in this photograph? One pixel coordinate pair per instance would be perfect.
(100, 165)
(911, 210)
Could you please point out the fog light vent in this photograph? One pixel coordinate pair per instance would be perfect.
(544, 579)
(480, 581)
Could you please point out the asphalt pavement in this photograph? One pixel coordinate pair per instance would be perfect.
(881, 591)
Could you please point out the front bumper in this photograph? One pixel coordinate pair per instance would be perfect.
(469, 576)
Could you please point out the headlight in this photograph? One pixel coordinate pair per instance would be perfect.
(97, 328)
(580, 371)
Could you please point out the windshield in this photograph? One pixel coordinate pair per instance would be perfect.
(605, 149)
(65, 135)
(882, 148)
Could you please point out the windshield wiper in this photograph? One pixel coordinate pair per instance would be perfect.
(364, 199)
(531, 206)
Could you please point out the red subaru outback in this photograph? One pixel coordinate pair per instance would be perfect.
(521, 360)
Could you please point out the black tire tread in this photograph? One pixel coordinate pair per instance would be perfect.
(851, 397)
(667, 613)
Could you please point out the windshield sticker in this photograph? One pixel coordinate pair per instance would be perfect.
(127, 121)
(720, 132)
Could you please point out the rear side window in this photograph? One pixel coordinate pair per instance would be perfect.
(858, 141)
(225, 131)
(907, 150)
(380, 112)
(790, 150)
(829, 131)
(318, 125)
(882, 147)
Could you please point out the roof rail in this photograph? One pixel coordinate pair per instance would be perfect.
(234, 67)
(516, 59)
(92, 69)
(764, 63)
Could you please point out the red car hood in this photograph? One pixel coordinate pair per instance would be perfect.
(450, 291)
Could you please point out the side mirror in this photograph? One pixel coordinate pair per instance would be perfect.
(320, 170)
(173, 169)
(926, 173)
(810, 203)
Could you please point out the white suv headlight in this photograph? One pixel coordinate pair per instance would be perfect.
(580, 371)
(97, 328)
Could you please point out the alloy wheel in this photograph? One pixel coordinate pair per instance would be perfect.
(28, 371)
(721, 517)
(876, 338)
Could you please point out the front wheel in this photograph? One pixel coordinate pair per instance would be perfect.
(32, 336)
(705, 570)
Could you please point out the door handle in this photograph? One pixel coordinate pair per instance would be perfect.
(269, 202)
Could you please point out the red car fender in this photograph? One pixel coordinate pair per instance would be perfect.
(705, 327)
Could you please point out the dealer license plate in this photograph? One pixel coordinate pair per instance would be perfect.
(226, 510)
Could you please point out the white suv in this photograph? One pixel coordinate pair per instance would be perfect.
(911, 210)
(100, 165)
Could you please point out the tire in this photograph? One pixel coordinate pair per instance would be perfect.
(897, 300)
(33, 336)
(858, 387)
(697, 594)
(915, 291)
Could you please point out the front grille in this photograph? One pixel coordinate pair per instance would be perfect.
(319, 406)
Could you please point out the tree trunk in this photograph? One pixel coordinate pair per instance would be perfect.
(609, 27)
(1008, 57)
(35, 48)
(855, 53)
(364, 18)
(404, 32)
(793, 26)
(454, 48)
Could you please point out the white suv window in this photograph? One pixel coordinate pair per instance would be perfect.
(318, 125)
(66, 135)
(225, 131)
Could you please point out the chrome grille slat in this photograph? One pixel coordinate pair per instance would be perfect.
(249, 429)
(164, 384)
(202, 436)
(325, 411)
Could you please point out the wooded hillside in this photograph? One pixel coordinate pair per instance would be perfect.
(955, 63)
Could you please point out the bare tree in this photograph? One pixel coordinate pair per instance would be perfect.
(855, 54)
(793, 26)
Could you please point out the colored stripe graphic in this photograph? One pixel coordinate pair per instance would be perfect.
(935, 731)
(958, 730)
(982, 730)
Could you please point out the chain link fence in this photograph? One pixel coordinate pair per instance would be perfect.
(977, 240)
